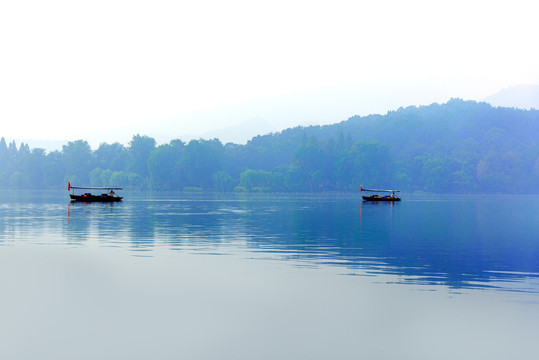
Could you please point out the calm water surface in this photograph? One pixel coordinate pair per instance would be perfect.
(194, 276)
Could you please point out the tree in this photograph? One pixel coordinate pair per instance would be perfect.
(135, 181)
(95, 177)
(161, 166)
(198, 162)
(313, 165)
(54, 169)
(119, 178)
(371, 163)
(140, 148)
(438, 171)
(111, 156)
(223, 182)
(78, 156)
(33, 168)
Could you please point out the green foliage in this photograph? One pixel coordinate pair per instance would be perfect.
(193, 189)
(312, 166)
(161, 166)
(119, 179)
(54, 170)
(135, 181)
(78, 155)
(95, 177)
(261, 180)
(16, 180)
(140, 148)
(223, 182)
(111, 156)
(198, 162)
(457, 147)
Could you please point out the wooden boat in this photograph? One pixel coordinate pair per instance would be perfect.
(109, 196)
(377, 197)
(380, 198)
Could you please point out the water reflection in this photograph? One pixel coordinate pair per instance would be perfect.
(459, 242)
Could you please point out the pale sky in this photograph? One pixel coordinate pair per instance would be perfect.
(105, 70)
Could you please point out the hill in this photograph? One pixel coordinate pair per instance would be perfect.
(456, 147)
(473, 146)
(522, 97)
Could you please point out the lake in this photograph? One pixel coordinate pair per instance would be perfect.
(269, 276)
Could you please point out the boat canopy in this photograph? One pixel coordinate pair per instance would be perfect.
(377, 190)
(69, 187)
(97, 188)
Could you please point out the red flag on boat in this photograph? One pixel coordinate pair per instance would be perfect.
(68, 186)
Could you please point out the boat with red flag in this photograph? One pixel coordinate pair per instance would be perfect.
(378, 197)
(108, 196)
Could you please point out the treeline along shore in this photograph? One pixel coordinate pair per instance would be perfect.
(456, 147)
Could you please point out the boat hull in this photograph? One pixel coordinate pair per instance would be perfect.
(380, 198)
(95, 198)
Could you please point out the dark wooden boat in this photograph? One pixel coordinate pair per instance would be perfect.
(380, 198)
(88, 197)
(109, 196)
(376, 197)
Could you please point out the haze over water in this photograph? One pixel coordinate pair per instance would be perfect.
(202, 276)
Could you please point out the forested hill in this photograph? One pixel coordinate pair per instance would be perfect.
(457, 147)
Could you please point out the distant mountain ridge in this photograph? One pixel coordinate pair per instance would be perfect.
(521, 96)
(429, 125)
(241, 133)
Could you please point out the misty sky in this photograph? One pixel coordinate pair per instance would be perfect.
(105, 70)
